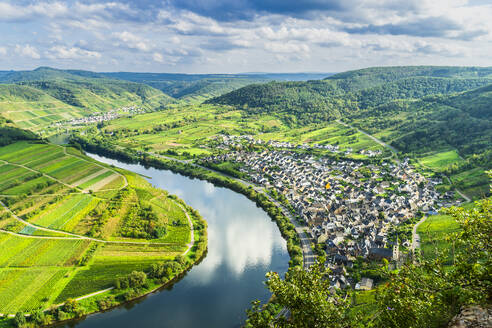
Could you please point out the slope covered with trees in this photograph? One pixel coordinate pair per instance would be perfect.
(345, 93)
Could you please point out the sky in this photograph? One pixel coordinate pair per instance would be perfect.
(233, 36)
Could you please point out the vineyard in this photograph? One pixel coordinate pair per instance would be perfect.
(70, 225)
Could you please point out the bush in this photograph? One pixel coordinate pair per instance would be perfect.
(39, 317)
(106, 303)
(19, 319)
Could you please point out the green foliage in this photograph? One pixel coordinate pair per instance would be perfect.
(307, 296)
(106, 303)
(19, 319)
(142, 222)
(9, 135)
(136, 279)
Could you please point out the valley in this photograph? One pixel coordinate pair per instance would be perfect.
(345, 167)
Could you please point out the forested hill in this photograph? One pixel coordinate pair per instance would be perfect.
(374, 76)
(462, 121)
(82, 91)
(343, 94)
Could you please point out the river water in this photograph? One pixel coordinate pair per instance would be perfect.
(244, 244)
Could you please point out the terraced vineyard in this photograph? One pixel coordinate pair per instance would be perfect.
(69, 225)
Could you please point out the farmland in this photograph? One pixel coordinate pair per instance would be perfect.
(70, 225)
(189, 131)
(40, 105)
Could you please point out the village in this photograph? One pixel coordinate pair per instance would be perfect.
(348, 206)
(103, 116)
(234, 141)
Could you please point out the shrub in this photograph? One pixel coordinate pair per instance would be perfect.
(19, 319)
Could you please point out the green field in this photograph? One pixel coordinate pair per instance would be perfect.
(189, 131)
(41, 105)
(474, 182)
(59, 241)
(438, 161)
(436, 236)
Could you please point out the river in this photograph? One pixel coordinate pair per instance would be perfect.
(244, 244)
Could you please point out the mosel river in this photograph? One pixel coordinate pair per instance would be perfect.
(244, 244)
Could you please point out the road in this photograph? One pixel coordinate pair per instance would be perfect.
(192, 232)
(393, 150)
(73, 236)
(415, 235)
(465, 197)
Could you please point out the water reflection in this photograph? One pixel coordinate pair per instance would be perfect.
(243, 245)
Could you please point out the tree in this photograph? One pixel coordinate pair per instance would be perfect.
(19, 319)
(308, 298)
(39, 317)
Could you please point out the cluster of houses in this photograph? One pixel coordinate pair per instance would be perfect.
(348, 206)
(103, 116)
(238, 141)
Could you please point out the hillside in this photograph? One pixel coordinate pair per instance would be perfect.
(374, 76)
(314, 101)
(189, 87)
(42, 97)
(450, 134)
(194, 88)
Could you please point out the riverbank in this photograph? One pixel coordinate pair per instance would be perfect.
(286, 227)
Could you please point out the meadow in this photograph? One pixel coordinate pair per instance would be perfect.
(436, 236)
(62, 222)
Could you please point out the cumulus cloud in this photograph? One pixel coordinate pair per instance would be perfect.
(290, 47)
(11, 12)
(62, 52)
(424, 27)
(27, 51)
(158, 57)
(265, 34)
(3, 51)
(132, 41)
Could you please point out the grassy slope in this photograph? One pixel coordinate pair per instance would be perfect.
(436, 235)
(447, 134)
(45, 96)
(36, 272)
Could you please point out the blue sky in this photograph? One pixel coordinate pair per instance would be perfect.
(231, 36)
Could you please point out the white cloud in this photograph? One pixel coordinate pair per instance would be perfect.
(48, 9)
(132, 41)
(61, 52)
(27, 51)
(289, 47)
(127, 36)
(158, 57)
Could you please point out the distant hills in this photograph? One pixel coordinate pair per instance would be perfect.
(357, 89)
(191, 88)
(36, 99)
